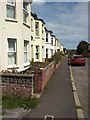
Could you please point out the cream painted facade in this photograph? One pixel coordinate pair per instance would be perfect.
(62, 49)
(48, 43)
(15, 35)
(37, 39)
(53, 45)
(58, 45)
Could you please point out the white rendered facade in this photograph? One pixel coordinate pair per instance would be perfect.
(15, 35)
(47, 43)
(53, 45)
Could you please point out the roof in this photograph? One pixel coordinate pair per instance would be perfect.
(36, 18)
(48, 30)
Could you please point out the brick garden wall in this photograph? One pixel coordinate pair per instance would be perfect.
(42, 76)
(16, 84)
(22, 85)
(46, 74)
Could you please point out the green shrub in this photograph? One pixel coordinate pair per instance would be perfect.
(32, 103)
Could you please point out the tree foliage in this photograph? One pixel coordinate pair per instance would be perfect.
(82, 47)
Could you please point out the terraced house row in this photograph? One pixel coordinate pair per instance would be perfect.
(23, 36)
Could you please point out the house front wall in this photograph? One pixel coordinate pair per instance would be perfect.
(48, 44)
(38, 41)
(0, 37)
(17, 30)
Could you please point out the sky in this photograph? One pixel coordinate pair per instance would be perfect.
(67, 20)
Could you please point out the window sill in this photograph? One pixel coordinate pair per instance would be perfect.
(26, 64)
(26, 24)
(11, 20)
(33, 40)
(37, 37)
(47, 43)
(12, 66)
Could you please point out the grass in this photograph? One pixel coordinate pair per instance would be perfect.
(9, 102)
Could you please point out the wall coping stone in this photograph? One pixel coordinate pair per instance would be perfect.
(17, 75)
(45, 68)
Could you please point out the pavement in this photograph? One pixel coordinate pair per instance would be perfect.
(15, 113)
(57, 100)
(19, 113)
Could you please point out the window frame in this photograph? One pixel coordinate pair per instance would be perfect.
(46, 37)
(31, 24)
(36, 29)
(26, 51)
(25, 12)
(52, 41)
(14, 51)
(14, 7)
(46, 52)
(37, 51)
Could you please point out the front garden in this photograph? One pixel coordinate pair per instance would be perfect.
(12, 102)
(18, 87)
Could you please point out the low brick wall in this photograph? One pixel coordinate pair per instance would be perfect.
(24, 85)
(17, 84)
(46, 73)
(42, 76)
(56, 66)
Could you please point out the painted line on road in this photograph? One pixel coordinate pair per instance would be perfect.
(76, 97)
(48, 117)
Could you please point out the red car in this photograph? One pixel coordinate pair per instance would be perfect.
(78, 60)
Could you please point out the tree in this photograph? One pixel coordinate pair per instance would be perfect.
(82, 47)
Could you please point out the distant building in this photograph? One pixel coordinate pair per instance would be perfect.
(37, 38)
(53, 43)
(15, 34)
(47, 43)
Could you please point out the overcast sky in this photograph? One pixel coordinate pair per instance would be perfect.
(67, 20)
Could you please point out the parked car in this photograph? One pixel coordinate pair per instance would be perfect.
(78, 60)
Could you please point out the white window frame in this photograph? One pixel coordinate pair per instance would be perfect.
(46, 37)
(37, 29)
(37, 51)
(26, 51)
(52, 41)
(15, 51)
(31, 24)
(11, 5)
(25, 12)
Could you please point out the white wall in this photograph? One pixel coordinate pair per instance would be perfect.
(14, 29)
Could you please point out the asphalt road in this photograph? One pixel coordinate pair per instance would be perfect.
(80, 74)
(57, 100)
